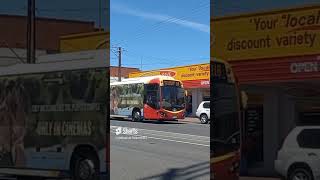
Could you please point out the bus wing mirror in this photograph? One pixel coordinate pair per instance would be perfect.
(244, 99)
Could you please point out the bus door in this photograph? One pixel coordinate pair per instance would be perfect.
(151, 101)
(5, 132)
(49, 151)
(12, 125)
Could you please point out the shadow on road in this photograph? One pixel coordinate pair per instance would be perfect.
(200, 170)
(150, 121)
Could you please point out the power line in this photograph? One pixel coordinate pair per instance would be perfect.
(156, 26)
(161, 59)
(71, 9)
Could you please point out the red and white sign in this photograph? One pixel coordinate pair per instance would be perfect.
(301, 67)
(168, 73)
(191, 84)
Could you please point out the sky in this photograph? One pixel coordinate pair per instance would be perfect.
(234, 7)
(153, 33)
(85, 10)
(160, 33)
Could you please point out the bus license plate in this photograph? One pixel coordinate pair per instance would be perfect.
(174, 117)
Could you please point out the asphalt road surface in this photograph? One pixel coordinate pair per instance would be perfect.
(161, 151)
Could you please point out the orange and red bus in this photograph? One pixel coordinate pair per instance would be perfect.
(225, 128)
(154, 98)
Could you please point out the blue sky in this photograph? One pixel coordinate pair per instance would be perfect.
(233, 7)
(160, 33)
(86, 10)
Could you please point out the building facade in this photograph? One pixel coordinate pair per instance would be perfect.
(125, 72)
(278, 66)
(48, 33)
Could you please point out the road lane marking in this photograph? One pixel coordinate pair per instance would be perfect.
(174, 137)
(156, 131)
(185, 142)
(177, 137)
(169, 136)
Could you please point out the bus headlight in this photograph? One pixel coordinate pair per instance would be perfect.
(162, 114)
(234, 167)
(231, 169)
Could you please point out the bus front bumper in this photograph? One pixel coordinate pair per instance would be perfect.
(168, 115)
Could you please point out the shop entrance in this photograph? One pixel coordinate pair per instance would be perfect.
(307, 103)
(189, 105)
(309, 115)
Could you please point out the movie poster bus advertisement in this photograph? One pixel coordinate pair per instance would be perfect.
(125, 97)
(55, 123)
(151, 98)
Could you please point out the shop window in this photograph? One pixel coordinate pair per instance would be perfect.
(309, 138)
(309, 118)
(206, 98)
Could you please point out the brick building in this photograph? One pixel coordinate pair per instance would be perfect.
(125, 71)
(48, 31)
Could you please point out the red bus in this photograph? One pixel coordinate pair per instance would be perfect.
(153, 98)
(225, 128)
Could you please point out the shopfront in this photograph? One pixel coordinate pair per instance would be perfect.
(278, 101)
(276, 58)
(195, 79)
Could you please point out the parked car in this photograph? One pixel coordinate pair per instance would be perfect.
(203, 112)
(299, 156)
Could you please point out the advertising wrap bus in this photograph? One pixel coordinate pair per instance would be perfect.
(154, 98)
(53, 120)
(226, 108)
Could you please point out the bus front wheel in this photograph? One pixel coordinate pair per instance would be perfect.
(136, 115)
(86, 167)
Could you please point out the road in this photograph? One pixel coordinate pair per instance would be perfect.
(161, 151)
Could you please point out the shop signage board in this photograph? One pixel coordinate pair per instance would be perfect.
(85, 41)
(301, 67)
(278, 33)
(193, 76)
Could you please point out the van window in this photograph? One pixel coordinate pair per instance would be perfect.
(309, 138)
(206, 105)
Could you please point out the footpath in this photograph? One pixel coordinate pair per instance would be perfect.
(190, 120)
(258, 178)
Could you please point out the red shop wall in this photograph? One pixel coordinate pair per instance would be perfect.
(277, 69)
(200, 83)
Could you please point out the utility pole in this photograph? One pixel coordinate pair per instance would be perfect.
(100, 15)
(31, 33)
(119, 66)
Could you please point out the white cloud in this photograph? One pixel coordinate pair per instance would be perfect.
(160, 17)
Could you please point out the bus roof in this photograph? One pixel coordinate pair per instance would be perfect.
(219, 60)
(143, 80)
(222, 61)
(20, 69)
